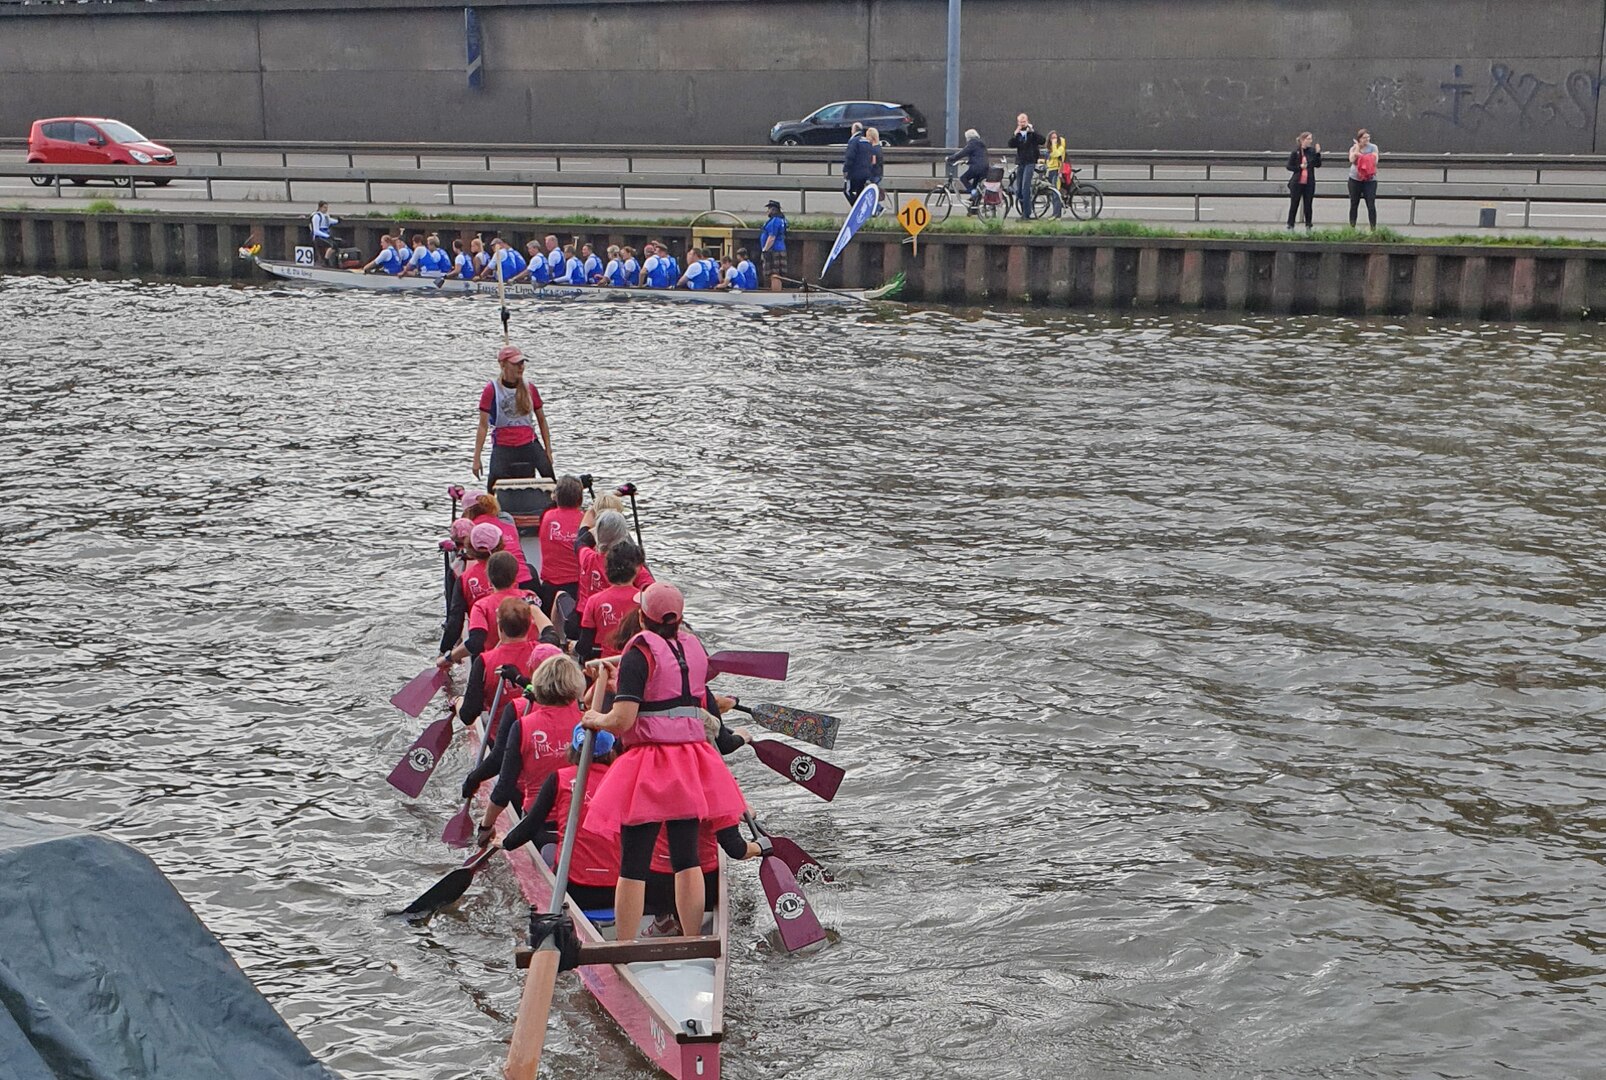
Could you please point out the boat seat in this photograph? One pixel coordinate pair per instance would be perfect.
(600, 915)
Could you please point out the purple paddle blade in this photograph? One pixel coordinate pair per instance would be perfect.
(758, 665)
(459, 831)
(415, 768)
(805, 770)
(793, 916)
(412, 698)
(800, 862)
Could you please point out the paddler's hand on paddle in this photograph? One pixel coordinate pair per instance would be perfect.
(483, 835)
(470, 786)
(444, 661)
(594, 721)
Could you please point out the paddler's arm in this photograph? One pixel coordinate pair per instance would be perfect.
(508, 766)
(479, 442)
(725, 740)
(456, 612)
(619, 719)
(535, 816)
(546, 436)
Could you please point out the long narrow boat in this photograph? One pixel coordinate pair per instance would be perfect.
(759, 299)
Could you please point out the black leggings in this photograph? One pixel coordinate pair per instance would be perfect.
(1297, 195)
(518, 463)
(636, 843)
(1363, 189)
(660, 894)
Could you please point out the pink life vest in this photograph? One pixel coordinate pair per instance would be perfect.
(544, 732)
(676, 671)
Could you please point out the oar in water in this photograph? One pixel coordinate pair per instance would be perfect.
(813, 727)
(796, 859)
(415, 768)
(448, 890)
(419, 691)
(757, 665)
(794, 918)
(459, 831)
(805, 770)
(535, 1003)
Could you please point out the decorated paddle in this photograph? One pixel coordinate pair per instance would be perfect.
(415, 768)
(459, 831)
(794, 918)
(804, 770)
(813, 727)
(757, 665)
(448, 890)
(420, 691)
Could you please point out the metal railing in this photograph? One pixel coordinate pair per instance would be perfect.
(534, 181)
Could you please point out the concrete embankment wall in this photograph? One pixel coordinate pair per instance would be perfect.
(1500, 283)
(1427, 75)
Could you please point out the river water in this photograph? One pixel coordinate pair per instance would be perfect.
(1223, 698)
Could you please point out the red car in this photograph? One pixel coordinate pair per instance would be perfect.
(88, 140)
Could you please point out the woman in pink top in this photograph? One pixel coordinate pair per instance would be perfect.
(510, 408)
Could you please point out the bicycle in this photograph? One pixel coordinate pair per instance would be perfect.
(1085, 200)
(1046, 200)
(940, 200)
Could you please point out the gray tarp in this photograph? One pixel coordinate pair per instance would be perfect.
(106, 973)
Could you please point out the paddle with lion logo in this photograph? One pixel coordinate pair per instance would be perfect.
(794, 918)
(805, 770)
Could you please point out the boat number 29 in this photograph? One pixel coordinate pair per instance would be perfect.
(303, 256)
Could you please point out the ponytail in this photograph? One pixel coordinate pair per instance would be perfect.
(521, 400)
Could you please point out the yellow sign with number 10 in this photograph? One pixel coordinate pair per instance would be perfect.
(914, 216)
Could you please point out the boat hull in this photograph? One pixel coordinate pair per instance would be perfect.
(759, 300)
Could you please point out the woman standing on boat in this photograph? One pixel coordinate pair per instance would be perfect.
(671, 777)
(510, 406)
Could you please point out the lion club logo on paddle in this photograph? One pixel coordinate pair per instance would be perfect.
(789, 905)
(801, 769)
(421, 759)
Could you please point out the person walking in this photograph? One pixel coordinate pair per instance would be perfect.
(878, 162)
(857, 166)
(974, 155)
(1303, 162)
(1363, 157)
(1028, 146)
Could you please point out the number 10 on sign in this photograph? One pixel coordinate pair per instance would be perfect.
(915, 217)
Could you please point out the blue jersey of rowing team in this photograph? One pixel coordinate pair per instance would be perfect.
(663, 271)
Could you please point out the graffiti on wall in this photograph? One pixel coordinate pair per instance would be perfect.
(1510, 96)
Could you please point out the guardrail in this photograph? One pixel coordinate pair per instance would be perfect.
(928, 160)
(715, 182)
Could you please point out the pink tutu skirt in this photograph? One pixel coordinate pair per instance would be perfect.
(666, 782)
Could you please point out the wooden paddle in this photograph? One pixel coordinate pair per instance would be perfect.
(415, 768)
(794, 918)
(459, 831)
(419, 691)
(805, 770)
(813, 727)
(535, 1003)
(757, 665)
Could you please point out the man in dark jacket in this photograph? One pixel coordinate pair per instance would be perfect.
(858, 166)
(1028, 146)
(974, 155)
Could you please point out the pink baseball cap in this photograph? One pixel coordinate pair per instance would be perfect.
(659, 601)
(485, 536)
(510, 354)
(461, 528)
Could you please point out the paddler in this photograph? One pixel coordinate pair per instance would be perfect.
(671, 778)
(591, 264)
(573, 272)
(554, 258)
(597, 537)
(483, 507)
(462, 262)
(632, 265)
(533, 747)
(559, 529)
(656, 271)
(534, 268)
(594, 866)
(614, 273)
(700, 273)
(605, 610)
(473, 583)
(389, 260)
(511, 407)
(516, 646)
(746, 272)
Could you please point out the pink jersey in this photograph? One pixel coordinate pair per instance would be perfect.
(603, 613)
(559, 527)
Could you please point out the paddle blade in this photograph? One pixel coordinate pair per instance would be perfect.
(793, 916)
(800, 862)
(448, 890)
(758, 665)
(816, 728)
(415, 768)
(412, 698)
(459, 831)
(805, 770)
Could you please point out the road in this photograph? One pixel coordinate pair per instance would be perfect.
(643, 201)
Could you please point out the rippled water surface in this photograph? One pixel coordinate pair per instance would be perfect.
(1224, 699)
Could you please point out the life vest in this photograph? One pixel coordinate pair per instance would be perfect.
(616, 274)
(677, 674)
(464, 265)
(504, 406)
(593, 267)
(709, 277)
(632, 271)
(526, 655)
(746, 276)
(1366, 165)
(660, 274)
(573, 271)
(559, 527)
(596, 857)
(544, 732)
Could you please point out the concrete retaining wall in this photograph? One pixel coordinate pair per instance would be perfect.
(1498, 283)
(1434, 75)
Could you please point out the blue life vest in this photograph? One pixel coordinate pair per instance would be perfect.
(512, 262)
(538, 271)
(593, 267)
(554, 263)
(615, 274)
(464, 265)
(660, 274)
(574, 272)
(746, 276)
(632, 271)
(392, 261)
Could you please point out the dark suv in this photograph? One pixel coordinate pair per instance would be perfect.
(901, 125)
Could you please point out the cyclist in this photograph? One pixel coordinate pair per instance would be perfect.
(974, 155)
